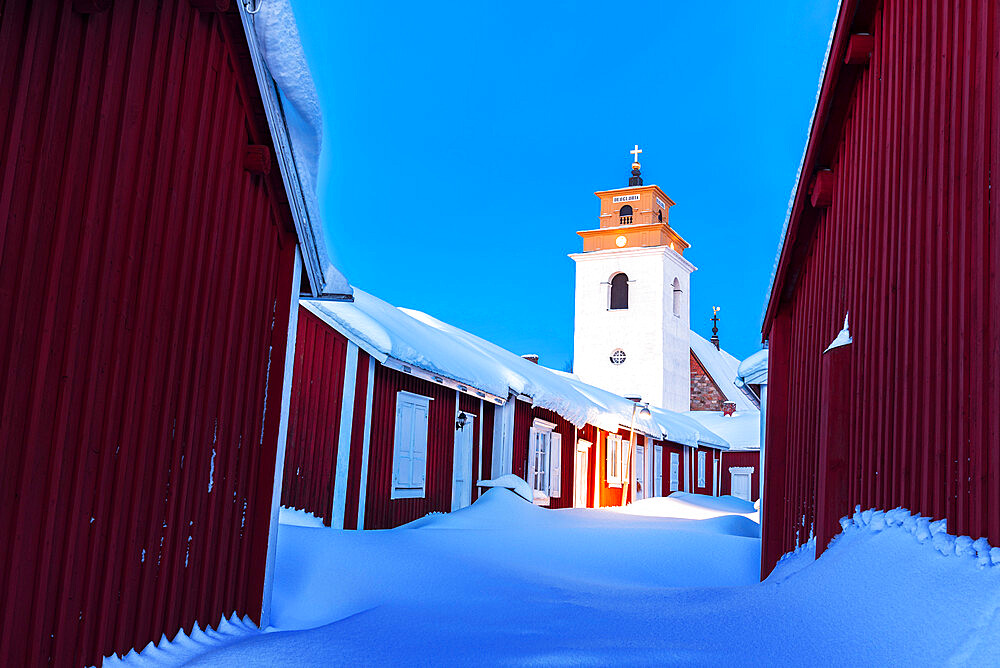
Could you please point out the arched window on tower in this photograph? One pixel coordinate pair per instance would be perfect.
(619, 292)
(625, 215)
(677, 297)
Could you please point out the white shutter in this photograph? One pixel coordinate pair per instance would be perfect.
(555, 465)
(657, 470)
(675, 471)
(403, 445)
(701, 468)
(409, 449)
(420, 428)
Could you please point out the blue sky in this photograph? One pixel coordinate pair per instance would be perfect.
(463, 143)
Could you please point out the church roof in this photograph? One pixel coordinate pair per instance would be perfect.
(722, 367)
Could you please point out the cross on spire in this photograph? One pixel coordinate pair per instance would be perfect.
(715, 327)
(635, 152)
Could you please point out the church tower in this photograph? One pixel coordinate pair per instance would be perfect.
(632, 328)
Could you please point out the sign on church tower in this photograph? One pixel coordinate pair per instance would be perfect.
(632, 326)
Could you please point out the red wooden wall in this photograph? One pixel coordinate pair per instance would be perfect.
(314, 417)
(522, 427)
(910, 246)
(381, 512)
(489, 414)
(473, 405)
(592, 435)
(740, 459)
(668, 447)
(355, 460)
(138, 439)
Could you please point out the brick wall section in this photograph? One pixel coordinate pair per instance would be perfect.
(705, 394)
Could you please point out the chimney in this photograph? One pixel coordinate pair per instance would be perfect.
(728, 407)
(531, 357)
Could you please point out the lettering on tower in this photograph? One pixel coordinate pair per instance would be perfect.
(625, 198)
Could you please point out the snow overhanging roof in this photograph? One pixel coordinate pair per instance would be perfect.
(451, 356)
(753, 370)
(293, 114)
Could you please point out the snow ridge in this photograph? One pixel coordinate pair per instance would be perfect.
(925, 530)
(185, 646)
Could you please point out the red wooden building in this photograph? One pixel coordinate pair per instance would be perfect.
(893, 223)
(150, 217)
(395, 415)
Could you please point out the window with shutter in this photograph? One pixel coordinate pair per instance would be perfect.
(613, 463)
(409, 449)
(555, 459)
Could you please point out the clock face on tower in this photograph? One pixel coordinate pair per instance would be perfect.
(621, 241)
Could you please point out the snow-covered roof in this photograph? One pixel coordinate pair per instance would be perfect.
(293, 115)
(416, 339)
(741, 429)
(722, 367)
(753, 370)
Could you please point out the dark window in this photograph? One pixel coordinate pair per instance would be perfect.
(619, 291)
(625, 215)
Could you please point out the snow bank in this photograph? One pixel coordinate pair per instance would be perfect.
(741, 429)
(601, 588)
(684, 505)
(298, 518)
(513, 483)
(723, 368)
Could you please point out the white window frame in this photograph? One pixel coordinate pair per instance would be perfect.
(701, 468)
(540, 454)
(613, 460)
(657, 466)
(411, 446)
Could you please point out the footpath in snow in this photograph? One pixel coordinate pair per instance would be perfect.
(664, 581)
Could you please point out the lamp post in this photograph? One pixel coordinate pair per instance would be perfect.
(627, 489)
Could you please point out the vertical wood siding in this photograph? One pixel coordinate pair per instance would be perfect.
(740, 459)
(473, 406)
(145, 280)
(382, 512)
(314, 417)
(668, 447)
(909, 246)
(522, 428)
(489, 413)
(357, 443)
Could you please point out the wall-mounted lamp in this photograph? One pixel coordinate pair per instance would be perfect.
(462, 420)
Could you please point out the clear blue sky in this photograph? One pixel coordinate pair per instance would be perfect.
(463, 143)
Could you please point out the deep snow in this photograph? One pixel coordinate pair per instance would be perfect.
(507, 582)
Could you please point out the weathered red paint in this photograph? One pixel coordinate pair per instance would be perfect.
(740, 458)
(139, 441)
(909, 246)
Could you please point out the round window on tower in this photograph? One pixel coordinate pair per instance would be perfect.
(618, 356)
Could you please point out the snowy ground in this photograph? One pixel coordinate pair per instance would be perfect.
(506, 582)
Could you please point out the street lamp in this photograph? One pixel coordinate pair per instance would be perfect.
(644, 412)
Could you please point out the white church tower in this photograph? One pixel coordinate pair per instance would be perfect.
(632, 327)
